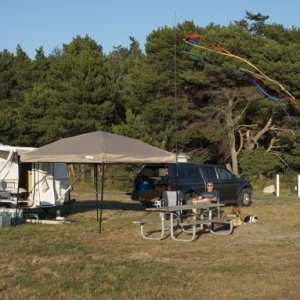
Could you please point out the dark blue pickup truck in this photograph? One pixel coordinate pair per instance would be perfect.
(190, 179)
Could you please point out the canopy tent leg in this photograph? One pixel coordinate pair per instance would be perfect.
(18, 190)
(101, 202)
(96, 189)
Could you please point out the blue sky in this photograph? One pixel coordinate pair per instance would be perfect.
(50, 23)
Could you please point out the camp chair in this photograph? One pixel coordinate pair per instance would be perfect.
(172, 198)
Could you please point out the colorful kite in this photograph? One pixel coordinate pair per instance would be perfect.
(194, 40)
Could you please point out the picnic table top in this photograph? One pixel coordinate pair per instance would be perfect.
(184, 207)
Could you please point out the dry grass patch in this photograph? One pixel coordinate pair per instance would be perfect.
(258, 261)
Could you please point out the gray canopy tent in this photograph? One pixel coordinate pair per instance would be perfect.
(99, 147)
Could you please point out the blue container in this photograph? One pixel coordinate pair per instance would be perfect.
(16, 215)
(145, 186)
(5, 218)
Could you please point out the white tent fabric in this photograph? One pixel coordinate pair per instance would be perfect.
(99, 147)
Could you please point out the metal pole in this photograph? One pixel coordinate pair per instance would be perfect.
(96, 189)
(18, 189)
(101, 202)
(176, 105)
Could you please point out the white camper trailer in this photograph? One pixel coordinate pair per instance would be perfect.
(39, 184)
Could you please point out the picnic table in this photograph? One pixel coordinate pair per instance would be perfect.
(203, 218)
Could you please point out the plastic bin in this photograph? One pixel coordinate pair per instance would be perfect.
(15, 215)
(5, 218)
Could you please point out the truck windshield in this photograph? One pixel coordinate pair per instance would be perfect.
(154, 171)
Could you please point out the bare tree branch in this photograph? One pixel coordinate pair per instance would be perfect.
(241, 142)
(263, 131)
(271, 145)
(276, 154)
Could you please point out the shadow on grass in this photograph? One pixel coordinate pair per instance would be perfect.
(87, 205)
(80, 206)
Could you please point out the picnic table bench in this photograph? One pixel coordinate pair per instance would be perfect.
(216, 225)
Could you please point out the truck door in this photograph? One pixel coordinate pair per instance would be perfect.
(209, 174)
(228, 187)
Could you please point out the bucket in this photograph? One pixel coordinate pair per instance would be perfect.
(145, 185)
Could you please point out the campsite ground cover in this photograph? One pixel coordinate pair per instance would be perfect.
(258, 261)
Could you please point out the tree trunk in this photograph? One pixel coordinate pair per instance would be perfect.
(71, 171)
(233, 152)
(230, 125)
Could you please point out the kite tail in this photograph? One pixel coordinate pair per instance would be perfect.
(261, 76)
(263, 91)
(195, 57)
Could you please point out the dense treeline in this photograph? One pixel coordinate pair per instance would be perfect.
(206, 106)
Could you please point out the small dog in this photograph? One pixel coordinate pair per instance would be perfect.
(237, 222)
(157, 203)
(236, 212)
(236, 215)
(250, 219)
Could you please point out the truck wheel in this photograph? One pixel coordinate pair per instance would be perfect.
(245, 197)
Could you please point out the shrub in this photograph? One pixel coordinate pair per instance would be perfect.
(259, 162)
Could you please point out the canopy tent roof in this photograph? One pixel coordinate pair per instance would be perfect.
(20, 150)
(99, 147)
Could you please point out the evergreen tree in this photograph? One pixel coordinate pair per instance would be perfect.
(171, 93)
(76, 95)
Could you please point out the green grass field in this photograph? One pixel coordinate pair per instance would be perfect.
(71, 261)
